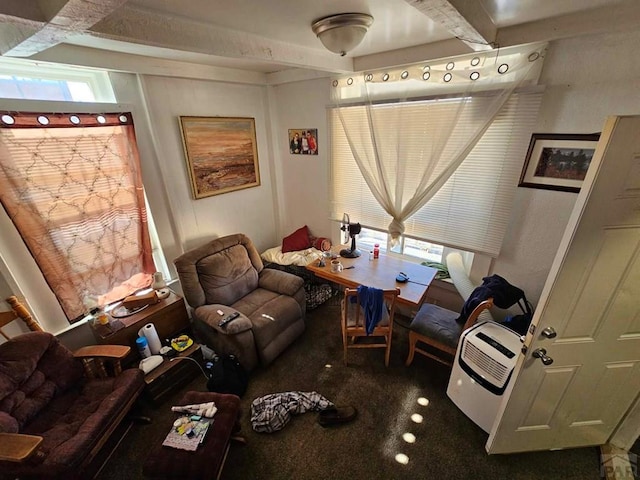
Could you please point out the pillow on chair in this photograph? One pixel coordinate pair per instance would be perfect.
(298, 240)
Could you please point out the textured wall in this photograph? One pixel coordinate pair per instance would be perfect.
(586, 80)
(304, 196)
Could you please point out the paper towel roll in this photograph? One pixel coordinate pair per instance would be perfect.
(149, 331)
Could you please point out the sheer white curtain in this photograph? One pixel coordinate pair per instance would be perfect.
(454, 102)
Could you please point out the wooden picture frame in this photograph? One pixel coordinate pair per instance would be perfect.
(221, 154)
(558, 161)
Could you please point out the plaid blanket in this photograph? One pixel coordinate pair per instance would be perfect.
(272, 412)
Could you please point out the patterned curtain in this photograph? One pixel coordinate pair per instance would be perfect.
(72, 186)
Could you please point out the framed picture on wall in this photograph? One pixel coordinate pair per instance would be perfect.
(303, 141)
(558, 161)
(221, 154)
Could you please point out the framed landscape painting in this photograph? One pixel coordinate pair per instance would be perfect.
(221, 154)
(558, 161)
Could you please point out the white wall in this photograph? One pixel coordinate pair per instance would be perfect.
(304, 195)
(586, 79)
(249, 211)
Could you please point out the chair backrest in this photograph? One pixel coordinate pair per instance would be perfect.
(17, 311)
(389, 296)
(473, 317)
(34, 368)
(354, 321)
(221, 271)
(463, 283)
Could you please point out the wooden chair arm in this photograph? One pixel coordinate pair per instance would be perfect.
(16, 447)
(108, 351)
(93, 359)
(473, 317)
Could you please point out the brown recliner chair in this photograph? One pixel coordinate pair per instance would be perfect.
(227, 275)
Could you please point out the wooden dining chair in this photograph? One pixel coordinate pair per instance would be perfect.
(18, 310)
(438, 328)
(353, 322)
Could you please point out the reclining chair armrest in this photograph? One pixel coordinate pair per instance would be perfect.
(209, 315)
(280, 282)
(17, 447)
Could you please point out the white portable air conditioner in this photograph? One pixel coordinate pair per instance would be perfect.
(485, 359)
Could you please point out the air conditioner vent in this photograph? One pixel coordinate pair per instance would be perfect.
(486, 366)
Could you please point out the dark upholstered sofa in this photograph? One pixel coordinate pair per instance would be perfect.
(227, 275)
(45, 391)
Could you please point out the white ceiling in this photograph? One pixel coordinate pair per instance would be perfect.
(275, 35)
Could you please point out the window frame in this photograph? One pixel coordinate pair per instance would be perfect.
(97, 80)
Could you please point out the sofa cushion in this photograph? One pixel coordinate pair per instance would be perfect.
(8, 424)
(270, 314)
(34, 367)
(227, 275)
(438, 323)
(210, 316)
(72, 423)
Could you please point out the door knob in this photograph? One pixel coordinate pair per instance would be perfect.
(549, 332)
(541, 353)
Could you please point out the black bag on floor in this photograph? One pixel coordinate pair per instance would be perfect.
(520, 323)
(226, 375)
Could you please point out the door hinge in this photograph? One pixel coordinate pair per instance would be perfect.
(524, 349)
(532, 328)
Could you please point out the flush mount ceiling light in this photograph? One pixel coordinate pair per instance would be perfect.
(343, 32)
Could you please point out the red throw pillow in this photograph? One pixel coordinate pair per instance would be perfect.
(321, 243)
(298, 240)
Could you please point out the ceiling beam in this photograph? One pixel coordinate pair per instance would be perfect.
(63, 18)
(146, 27)
(19, 20)
(466, 20)
(623, 16)
(125, 62)
(21, 10)
(406, 56)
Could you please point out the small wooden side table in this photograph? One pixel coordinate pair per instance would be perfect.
(169, 316)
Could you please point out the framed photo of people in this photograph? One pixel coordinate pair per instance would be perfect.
(303, 141)
(558, 161)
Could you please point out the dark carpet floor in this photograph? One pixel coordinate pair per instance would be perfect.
(447, 444)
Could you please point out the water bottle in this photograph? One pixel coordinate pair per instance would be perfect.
(376, 250)
(143, 347)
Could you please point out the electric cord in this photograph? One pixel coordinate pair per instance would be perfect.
(407, 279)
(193, 360)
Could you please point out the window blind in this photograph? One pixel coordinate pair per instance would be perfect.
(472, 209)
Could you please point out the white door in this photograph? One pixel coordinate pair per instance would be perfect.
(592, 301)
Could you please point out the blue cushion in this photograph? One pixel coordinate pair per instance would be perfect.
(437, 323)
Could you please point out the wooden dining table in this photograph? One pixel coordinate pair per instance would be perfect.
(380, 273)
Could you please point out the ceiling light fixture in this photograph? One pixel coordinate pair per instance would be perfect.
(343, 32)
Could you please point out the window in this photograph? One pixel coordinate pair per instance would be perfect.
(471, 210)
(419, 249)
(72, 186)
(21, 79)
